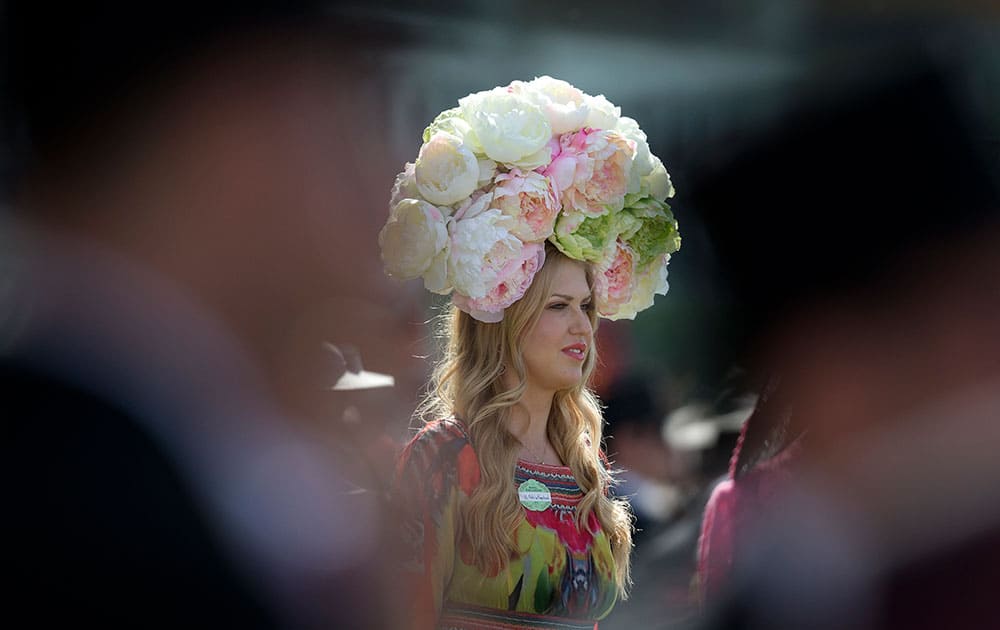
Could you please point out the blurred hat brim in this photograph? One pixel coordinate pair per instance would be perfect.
(363, 380)
(693, 427)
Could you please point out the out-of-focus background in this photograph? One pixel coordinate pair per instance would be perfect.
(705, 80)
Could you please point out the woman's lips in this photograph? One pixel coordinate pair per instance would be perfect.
(577, 351)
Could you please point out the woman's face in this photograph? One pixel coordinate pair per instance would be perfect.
(556, 348)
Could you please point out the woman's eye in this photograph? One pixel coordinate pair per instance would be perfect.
(557, 306)
(587, 306)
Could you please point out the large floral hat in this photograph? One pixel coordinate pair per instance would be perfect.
(512, 167)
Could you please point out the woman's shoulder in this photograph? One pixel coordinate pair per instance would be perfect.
(441, 449)
(439, 446)
(445, 434)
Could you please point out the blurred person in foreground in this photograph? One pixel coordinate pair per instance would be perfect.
(862, 493)
(180, 194)
(504, 495)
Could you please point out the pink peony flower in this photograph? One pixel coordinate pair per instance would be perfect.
(531, 200)
(591, 170)
(614, 280)
(512, 281)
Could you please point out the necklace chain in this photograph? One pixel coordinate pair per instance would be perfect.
(531, 451)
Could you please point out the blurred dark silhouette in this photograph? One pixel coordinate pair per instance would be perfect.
(181, 199)
(861, 237)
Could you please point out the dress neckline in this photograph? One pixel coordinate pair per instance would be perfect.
(524, 463)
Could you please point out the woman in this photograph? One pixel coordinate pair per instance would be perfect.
(511, 403)
(538, 209)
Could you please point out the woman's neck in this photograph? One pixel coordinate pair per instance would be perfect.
(530, 418)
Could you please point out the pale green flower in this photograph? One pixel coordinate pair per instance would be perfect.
(657, 233)
(585, 237)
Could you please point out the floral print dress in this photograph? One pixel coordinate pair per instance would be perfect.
(560, 576)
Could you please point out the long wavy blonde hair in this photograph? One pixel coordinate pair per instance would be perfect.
(466, 383)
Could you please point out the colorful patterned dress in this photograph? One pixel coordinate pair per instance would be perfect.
(560, 577)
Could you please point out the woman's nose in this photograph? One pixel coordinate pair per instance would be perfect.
(581, 323)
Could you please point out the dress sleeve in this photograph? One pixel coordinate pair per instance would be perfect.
(425, 497)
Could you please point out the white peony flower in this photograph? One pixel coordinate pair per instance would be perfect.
(642, 163)
(509, 126)
(512, 281)
(646, 285)
(414, 237)
(564, 105)
(539, 158)
(446, 170)
(475, 204)
(436, 278)
(657, 183)
(487, 171)
(601, 113)
(481, 246)
(451, 121)
(405, 186)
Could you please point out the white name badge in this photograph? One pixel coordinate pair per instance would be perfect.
(534, 495)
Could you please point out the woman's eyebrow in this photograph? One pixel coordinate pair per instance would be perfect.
(570, 297)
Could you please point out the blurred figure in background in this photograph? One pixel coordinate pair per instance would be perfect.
(359, 433)
(760, 468)
(860, 495)
(181, 191)
(693, 444)
(636, 447)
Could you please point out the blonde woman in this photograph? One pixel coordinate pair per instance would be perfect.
(506, 489)
(536, 219)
